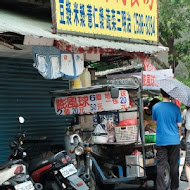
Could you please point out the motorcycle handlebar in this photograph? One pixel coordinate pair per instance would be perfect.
(21, 136)
(16, 146)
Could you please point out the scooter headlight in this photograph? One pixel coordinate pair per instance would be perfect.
(79, 150)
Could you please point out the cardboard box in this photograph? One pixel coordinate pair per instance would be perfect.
(86, 122)
(150, 161)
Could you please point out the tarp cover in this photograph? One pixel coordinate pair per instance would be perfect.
(53, 63)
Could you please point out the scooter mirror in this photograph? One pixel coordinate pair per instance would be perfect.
(13, 144)
(21, 119)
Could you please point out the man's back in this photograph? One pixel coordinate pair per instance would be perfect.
(167, 115)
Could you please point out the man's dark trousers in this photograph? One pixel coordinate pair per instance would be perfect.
(168, 154)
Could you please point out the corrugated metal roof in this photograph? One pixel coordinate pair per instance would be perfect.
(21, 24)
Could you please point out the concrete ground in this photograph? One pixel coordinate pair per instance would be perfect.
(182, 184)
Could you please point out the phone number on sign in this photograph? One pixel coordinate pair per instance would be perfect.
(144, 24)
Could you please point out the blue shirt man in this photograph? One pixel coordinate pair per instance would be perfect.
(167, 115)
(168, 123)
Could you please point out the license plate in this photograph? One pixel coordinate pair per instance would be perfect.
(25, 186)
(68, 170)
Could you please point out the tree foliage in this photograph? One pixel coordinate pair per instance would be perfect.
(174, 29)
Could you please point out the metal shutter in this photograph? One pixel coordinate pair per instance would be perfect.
(24, 92)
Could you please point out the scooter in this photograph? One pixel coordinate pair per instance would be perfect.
(56, 172)
(82, 152)
(13, 174)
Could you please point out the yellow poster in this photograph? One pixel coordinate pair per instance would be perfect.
(135, 19)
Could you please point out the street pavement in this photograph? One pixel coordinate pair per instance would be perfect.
(182, 186)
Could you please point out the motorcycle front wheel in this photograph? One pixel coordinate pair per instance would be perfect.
(92, 183)
(52, 185)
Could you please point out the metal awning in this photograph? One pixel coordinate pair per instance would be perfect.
(129, 83)
(92, 89)
(21, 24)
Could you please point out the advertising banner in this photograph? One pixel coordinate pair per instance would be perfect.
(148, 65)
(91, 103)
(149, 77)
(136, 19)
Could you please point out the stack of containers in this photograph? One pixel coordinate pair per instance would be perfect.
(150, 137)
(126, 131)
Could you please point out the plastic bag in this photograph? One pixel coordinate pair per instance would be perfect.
(99, 130)
(100, 135)
(127, 122)
(136, 152)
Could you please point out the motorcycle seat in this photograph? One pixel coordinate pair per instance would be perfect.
(39, 163)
